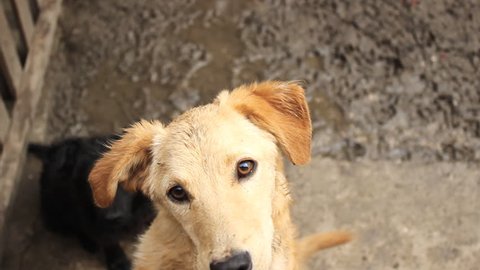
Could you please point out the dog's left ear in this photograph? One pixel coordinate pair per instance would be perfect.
(281, 109)
(126, 162)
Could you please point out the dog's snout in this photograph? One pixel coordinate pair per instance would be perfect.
(238, 261)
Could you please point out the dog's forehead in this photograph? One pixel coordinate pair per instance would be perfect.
(212, 127)
(214, 131)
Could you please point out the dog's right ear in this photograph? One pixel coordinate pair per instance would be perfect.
(126, 162)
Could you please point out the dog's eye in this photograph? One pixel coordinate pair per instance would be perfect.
(178, 194)
(245, 168)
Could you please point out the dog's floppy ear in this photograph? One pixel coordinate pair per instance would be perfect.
(126, 162)
(281, 109)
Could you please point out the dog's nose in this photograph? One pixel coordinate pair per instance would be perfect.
(239, 261)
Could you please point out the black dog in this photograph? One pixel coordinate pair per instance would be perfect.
(67, 202)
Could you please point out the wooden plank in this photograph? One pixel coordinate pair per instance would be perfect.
(11, 161)
(8, 54)
(22, 8)
(4, 121)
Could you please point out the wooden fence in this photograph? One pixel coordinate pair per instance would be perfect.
(23, 74)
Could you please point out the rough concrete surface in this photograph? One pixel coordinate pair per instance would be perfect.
(407, 215)
(393, 88)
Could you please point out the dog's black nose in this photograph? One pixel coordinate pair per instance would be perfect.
(239, 261)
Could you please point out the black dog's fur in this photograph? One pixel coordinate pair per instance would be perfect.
(67, 203)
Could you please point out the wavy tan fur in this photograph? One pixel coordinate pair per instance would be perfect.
(199, 151)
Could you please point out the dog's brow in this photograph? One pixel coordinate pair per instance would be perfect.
(230, 159)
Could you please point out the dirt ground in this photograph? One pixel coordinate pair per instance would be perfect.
(393, 88)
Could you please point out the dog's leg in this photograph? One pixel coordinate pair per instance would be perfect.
(116, 258)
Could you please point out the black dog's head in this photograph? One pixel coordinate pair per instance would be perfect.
(119, 214)
(67, 198)
(128, 213)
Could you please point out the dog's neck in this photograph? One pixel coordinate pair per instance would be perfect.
(284, 234)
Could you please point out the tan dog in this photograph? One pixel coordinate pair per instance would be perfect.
(217, 178)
